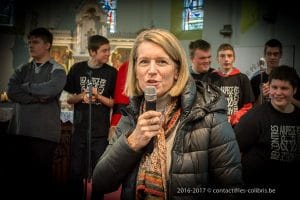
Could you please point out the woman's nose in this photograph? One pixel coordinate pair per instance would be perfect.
(152, 67)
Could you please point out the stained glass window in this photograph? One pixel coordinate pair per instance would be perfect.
(110, 7)
(192, 15)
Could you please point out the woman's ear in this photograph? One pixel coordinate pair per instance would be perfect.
(176, 74)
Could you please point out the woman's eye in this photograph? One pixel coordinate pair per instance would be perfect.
(162, 62)
(143, 62)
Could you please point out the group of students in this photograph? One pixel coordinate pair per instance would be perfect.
(35, 130)
(234, 84)
(195, 145)
(267, 126)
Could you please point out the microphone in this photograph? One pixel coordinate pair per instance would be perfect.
(90, 85)
(150, 100)
(150, 97)
(262, 63)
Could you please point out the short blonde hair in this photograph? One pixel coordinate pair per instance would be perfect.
(171, 45)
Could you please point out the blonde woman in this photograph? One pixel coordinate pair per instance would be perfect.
(194, 144)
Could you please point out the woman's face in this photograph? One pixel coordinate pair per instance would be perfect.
(155, 68)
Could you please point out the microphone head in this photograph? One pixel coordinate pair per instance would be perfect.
(262, 62)
(150, 93)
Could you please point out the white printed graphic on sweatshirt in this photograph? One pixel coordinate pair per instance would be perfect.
(98, 83)
(232, 96)
(284, 142)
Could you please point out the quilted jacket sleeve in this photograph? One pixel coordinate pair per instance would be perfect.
(117, 162)
(224, 152)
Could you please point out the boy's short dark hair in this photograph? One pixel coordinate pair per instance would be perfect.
(226, 46)
(95, 41)
(285, 73)
(273, 43)
(42, 33)
(198, 44)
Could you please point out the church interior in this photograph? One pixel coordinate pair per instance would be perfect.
(245, 24)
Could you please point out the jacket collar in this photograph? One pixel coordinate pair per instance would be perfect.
(207, 99)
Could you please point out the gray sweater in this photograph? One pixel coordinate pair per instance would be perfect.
(36, 90)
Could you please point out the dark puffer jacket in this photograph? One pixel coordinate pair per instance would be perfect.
(205, 151)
